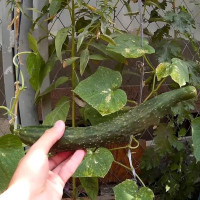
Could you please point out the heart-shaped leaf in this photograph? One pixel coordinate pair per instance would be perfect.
(178, 70)
(95, 164)
(128, 190)
(11, 151)
(130, 46)
(59, 113)
(100, 90)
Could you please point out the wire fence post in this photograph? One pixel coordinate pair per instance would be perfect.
(28, 111)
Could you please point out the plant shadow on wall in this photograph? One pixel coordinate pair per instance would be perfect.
(104, 107)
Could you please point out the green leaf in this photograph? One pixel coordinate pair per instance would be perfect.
(108, 39)
(130, 46)
(181, 21)
(81, 38)
(71, 60)
(95, 164)
(98, 57)
(168, 49)
(34, 65)
(59, 41)
(163, 70)
(32, 43)
(53, 86)
(84, 58)
(128, 190)
(112, 55)
(100, 90)
(90, 186)
(95, 117)
(196, 137)
(55, 6)
(11, 151)
(155, 3)
(178, 70)
(59, 113)
(160, 33)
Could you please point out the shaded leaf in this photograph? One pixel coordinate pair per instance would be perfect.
(56, 6)
(97, 57)
(59, 113)
(84, 58)
(95, 164)
(71, 60)
(181, 21)
(128, 190)
(95, 117)
(11, 151)
(168, 49)
(53, 86)
(113, 55)
(196, 137)
(90, 186)
(100, 90)
(59, 41)
(34, 64)
(130, 46)
(108, 39)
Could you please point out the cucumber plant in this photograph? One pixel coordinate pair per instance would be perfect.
(92, 39)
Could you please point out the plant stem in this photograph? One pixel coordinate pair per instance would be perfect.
(155, 90)
(148, 62)
(73, 81)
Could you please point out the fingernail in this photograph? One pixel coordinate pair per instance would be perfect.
(58, 124)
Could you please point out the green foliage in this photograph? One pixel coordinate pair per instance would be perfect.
(96, 163)
(128, 190)
(100, 90)
(130, 46)
(90, 186)
(11, 152)
(196, 137)
(168, 167)
(59, 113)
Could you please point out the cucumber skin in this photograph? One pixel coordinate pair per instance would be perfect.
(114, 131)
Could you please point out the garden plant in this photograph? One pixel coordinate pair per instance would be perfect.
(170, 167)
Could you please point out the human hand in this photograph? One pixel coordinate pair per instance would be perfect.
(40, 178)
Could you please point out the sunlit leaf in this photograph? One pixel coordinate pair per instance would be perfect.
(128, 190)
(11, 151)
(100, 90)
(95, 164)
(59, 41)
(130, 46)
(32, 43)
(59, 113)
(178, 70)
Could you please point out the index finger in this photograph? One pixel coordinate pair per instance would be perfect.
(49, 138)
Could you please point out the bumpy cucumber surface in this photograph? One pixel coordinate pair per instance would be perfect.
(117, 130)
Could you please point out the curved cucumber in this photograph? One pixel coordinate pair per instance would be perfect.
(117, 130)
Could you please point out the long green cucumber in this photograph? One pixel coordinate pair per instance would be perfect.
(117, 130)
